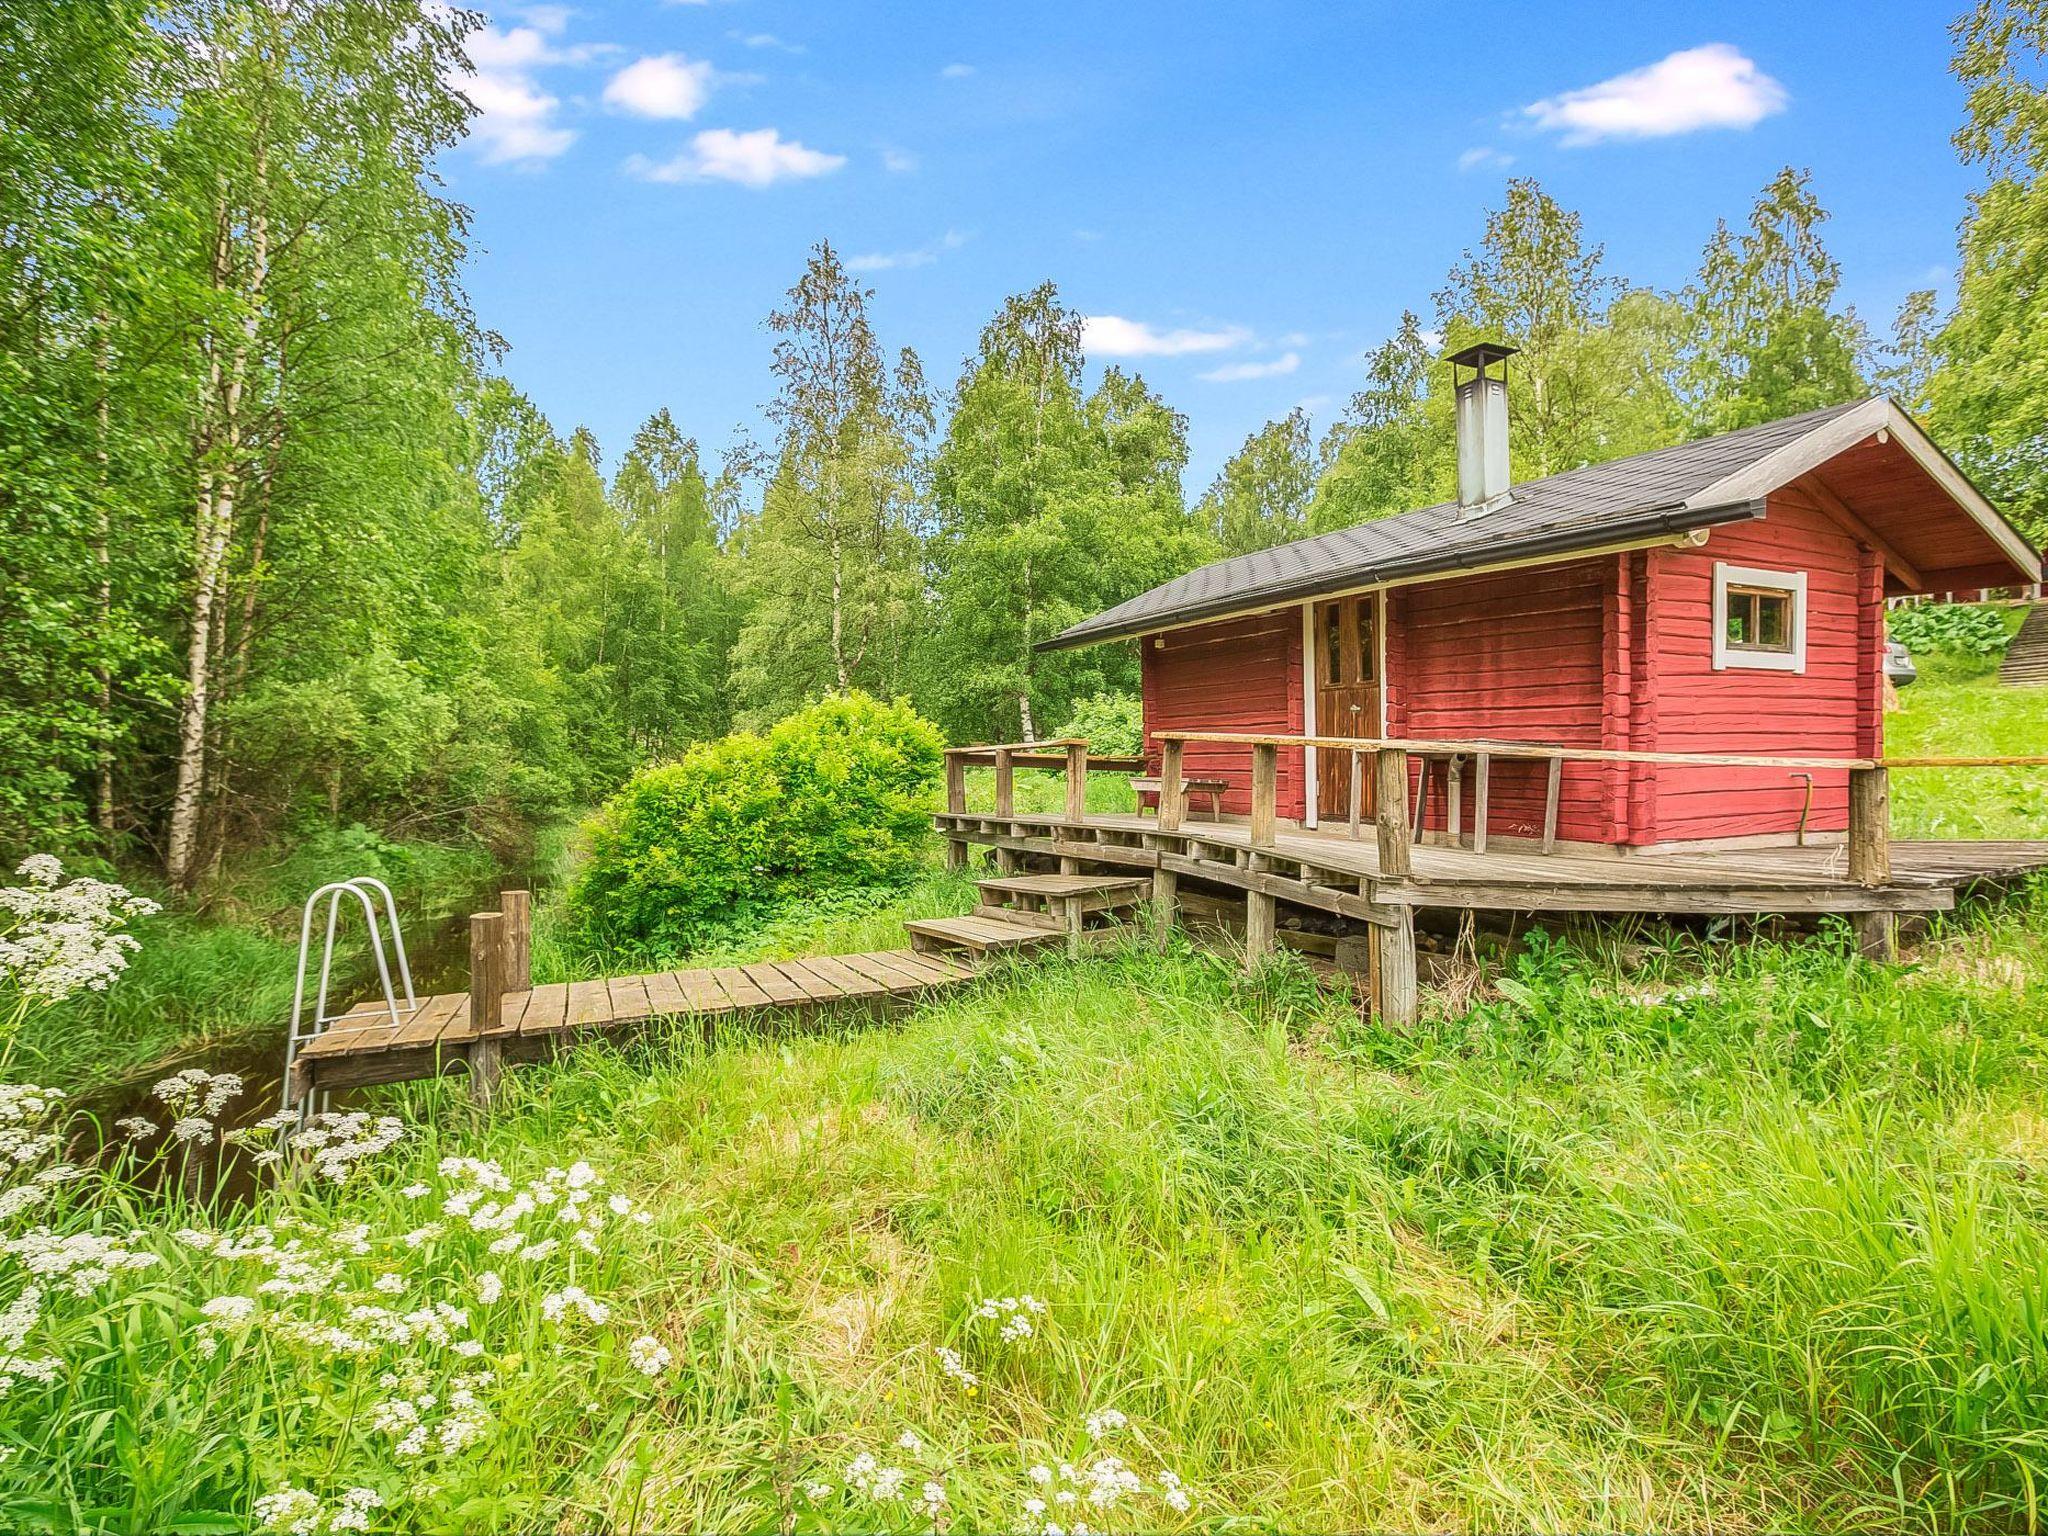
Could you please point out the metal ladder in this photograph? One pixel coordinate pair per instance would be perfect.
(362, 888)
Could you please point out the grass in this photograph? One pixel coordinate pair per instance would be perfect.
(1957, 708)
(1749, 1236)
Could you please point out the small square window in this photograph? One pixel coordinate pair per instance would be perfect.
(1759, 619)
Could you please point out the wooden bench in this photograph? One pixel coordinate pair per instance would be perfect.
(1215, 789)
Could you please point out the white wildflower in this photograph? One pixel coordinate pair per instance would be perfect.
(558, 1304)
(136, 1127)
(64, 938)
(908, 1441)
(951, 1363)
(817, 1493)
(292, 1510)
(489, 1287)
(934, 1498)
(193, 1128)
(229, 1311)
(648, 1355)
(1103, 1422)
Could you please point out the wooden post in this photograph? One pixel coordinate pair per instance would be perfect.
(1165, 904)
(1006, 783)
(956, 784)
(1454, 801)
(1877, 935)
(1172, 798)
(1390, 811)
(1870, 827)
(1396, 1002)
(1077, 782)
(486, 1003)
(1553, 783)
(518, 909)
(1482, 766)
(1261, 913)
(1357, 790)
(1265, 786)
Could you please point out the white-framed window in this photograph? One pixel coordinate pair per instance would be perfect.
(1759, 618)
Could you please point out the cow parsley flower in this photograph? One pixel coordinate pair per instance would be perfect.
(951, 1363)
(648, 1355)
(489, 1287)
(1104, 1421)
(136, 1127)
(65, 938)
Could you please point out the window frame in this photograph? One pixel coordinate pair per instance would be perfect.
(1792, 585)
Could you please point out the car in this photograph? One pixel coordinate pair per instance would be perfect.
(1898, 664)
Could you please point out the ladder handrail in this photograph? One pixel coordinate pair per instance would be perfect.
(360, 887)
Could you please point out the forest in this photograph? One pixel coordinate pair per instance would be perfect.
(284, 546)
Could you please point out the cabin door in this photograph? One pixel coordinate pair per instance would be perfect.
(1347, 697)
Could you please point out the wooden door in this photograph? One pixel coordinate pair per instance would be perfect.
(1347, 697)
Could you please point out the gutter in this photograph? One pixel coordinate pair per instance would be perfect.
(1668, 517)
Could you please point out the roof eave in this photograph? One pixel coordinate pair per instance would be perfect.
(1666, 517)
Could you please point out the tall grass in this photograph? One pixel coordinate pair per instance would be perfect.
(1958, 708)
(1745, 1236)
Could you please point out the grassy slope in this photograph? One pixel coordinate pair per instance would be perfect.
(1762, 1255)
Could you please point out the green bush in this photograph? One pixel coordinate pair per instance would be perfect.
(1955, 629)
(1109, 722)
(835, 797)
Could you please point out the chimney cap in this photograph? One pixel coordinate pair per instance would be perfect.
(1482, 353)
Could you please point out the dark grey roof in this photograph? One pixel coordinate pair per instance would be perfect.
(1667, 489)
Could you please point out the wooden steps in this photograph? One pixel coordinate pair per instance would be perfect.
(978, 935)
(2026, 659)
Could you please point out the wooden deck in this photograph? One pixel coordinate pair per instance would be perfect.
(1336, 873)
(364, 1046)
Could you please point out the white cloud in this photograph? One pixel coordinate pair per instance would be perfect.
(898, 162)
(664, 85)
(764, 40)
(758, 158)
(921, 256)
(516, 117)
(1114, 336)
(1484, 155)
(956, 71)
(1715, 86)
(1234, 373)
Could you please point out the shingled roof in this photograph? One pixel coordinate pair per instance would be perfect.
(1667, 490)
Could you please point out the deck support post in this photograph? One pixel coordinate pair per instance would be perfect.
(1006, 860)
(1877, 935)
(1165, 905)
(486, 1003)
(1870, 826)
(1261, 914)
(1395, 999)
(1357, 807)
(1172, 798)
(1390, 811)
(1006, 783)
(1265, 787)
(1077, 782)
(956, 853)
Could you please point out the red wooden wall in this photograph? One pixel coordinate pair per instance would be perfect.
(1238, 675)
(1832, 709)
(1515, 655)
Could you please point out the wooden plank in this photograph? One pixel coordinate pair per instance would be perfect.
(429, 1024)
(629, 999)
(427, 1021)
(741, 989)
(850, 982)
(1553, 782)
(818, 988)
(776, 987)
(590, 1004)
(873, 968)
(547, 1009)
(699, 992)
(664, 996)
(1482, 765)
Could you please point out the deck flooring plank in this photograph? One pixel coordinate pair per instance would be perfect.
(851, 982)
(429, 1024)
(878, 968)
(815, 988)
(665, 995)
(547, 1010)
(742, 992)
(590, 1004)
(629, 998)
(776, 987)
(702, 993)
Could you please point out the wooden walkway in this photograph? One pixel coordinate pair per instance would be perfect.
(364, 1046)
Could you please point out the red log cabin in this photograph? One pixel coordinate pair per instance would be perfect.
(1720, 596)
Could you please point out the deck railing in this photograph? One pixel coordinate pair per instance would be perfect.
(1387, 760)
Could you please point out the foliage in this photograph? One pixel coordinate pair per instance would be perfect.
(1109, 722)
(1989, 393)
(835, 796)
(1262, 496)
(1961, 629)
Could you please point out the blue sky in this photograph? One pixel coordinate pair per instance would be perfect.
(1242, 197)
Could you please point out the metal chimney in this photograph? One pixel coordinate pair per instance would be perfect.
(1482, 426)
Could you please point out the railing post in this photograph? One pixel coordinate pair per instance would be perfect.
(518, 909)
(1357, 791)
(1171, 796)
(1390, 811)
(956, 783)
(1870, 826)
(1077, 781)
(1265, 786)
(1006, 783)
(486, 1003)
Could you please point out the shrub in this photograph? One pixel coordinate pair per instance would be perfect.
(835, 796)
(1109, 723)
(1956, 629)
